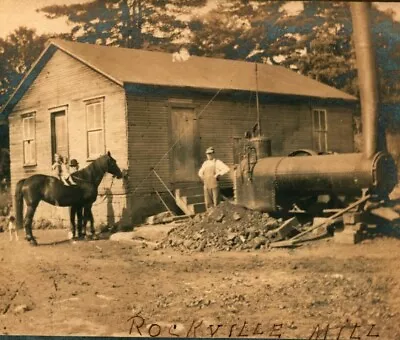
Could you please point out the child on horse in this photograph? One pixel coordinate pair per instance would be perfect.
(61, 170)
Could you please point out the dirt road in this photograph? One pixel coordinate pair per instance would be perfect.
(112, 288)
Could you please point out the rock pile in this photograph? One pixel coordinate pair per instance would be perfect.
(226, 227)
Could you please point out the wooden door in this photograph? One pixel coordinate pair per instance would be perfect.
(59, 134)
(183, 122)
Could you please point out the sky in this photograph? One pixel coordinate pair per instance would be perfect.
(15, 13)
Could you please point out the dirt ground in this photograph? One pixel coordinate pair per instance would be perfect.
(125, 288)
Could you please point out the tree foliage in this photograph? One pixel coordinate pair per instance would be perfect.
(149, 24)
(17, 53)
(316, 41)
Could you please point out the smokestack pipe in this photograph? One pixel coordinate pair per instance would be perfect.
(367, 76)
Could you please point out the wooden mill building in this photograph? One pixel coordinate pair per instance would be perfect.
(149, 110)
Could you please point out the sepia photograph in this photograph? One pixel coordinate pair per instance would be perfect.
(200, 169)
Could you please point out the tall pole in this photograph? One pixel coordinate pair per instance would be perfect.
(367, 77)
(258, 107)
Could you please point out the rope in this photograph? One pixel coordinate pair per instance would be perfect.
(176, 142)
(165, 204)
(155, 172)
(104, 195)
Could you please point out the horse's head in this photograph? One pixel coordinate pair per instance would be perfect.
(112, 166)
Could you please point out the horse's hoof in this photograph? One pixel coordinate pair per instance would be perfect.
(33, 242)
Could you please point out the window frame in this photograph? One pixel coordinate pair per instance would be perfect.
(25, 117)
(320, 133)
(88, 102)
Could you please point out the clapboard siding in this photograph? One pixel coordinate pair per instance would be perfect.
(288, 125)
(65, 83)
(340, 129)
(148, 142)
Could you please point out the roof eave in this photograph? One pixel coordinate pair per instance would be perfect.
(65, 50)
(8, 105)
(348, 98)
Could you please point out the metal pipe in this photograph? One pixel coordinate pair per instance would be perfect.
(367, 77)
(258, 106)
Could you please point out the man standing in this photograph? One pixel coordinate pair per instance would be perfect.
(209, 173)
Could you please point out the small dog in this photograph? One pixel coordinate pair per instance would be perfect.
(12, 228)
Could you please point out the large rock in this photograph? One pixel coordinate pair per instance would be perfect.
(156, 233)
(257, 242)
(271, 223)
(236, 216)
(164, 217)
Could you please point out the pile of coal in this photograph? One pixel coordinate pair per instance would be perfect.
(223, 228)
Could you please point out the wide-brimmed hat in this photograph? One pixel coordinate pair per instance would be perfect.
(73, 162)
(210, 150)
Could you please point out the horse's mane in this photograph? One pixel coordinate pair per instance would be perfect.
(90, 171)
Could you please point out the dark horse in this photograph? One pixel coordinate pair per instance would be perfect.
(50, 189)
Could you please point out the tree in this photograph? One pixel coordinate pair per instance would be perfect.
(386, 31)
(149, 24)
(316, 41)
(17, 53)
(237, 29)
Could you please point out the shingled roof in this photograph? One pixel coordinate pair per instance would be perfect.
(133, 66)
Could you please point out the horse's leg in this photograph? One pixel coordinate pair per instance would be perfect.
(79, 215)
(72, 212)
(84, 221)
(30, 212)
(91, 219)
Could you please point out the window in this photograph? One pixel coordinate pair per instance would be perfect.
(95, 128)
(28, 139)
(320, 124)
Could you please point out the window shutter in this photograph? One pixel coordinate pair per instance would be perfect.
(95, 139)
(28, 140)
(95, 129)
(316, 120)
(322, 120)
(26, 152)
(28, 128)
(97, 116)
(90, 117)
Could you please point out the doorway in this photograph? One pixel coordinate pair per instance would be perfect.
(183, 131)
(59, 134)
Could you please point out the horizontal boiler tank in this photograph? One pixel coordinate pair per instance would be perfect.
(283, 178)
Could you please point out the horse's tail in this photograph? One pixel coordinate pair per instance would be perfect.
(19, 203)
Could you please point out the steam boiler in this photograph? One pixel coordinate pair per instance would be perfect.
(273, 184)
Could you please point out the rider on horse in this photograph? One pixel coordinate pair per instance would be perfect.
(61, 170)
